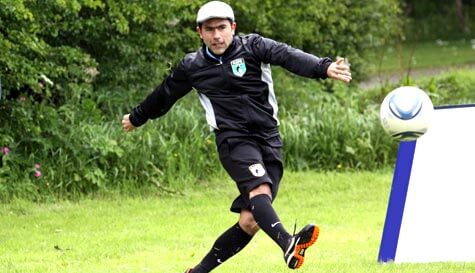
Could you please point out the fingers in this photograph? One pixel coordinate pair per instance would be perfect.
(345, 78)
(340, 70)
(126, 124)
(342, 75)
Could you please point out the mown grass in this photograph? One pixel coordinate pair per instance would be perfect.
(421, 55)
(168, 234)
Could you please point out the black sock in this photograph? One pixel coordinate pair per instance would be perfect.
(268, 221)
(228, 244)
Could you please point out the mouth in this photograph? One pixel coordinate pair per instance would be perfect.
(218, 45)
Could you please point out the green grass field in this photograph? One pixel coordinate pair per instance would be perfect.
(168, 234)
(423, 55)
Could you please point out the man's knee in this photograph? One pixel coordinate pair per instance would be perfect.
(247, 222)
(263, 188)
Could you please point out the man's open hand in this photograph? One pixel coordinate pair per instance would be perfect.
(339, 70)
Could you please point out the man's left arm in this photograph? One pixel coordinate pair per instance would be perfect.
(299, 62)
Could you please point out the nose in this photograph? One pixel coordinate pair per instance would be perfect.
(216, 34)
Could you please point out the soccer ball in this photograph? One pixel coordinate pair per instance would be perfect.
(406, 113)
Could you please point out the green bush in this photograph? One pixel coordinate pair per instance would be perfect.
(122, 46)
(30, 65)
(446, 89)
(70, 69)
(330, 131)
(81, 153)
(325, 28)
(36, 133)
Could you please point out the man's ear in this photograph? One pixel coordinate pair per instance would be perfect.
(233, 27)
(198, 29)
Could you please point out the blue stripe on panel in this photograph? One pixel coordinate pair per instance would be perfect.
(397, 200)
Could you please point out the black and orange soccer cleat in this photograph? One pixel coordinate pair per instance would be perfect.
(294, 256)
(189, 270)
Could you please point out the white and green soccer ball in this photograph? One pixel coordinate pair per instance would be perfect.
(406, 113)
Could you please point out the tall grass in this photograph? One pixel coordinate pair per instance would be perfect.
(331, 136)
(83, 152)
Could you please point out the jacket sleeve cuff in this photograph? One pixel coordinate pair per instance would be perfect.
(322, 67)
(136, 117)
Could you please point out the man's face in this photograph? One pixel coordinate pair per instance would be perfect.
(217, 34)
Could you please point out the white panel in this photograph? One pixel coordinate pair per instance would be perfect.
(438, 223)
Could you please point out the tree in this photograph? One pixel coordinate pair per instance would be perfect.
(439, 19)
(461, 16)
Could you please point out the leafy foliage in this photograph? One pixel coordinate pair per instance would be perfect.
(30, 66)
(71, 68)
(80, 153)
(135, 43)
(323, 27)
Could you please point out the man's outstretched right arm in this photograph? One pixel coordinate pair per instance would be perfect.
(160, 101)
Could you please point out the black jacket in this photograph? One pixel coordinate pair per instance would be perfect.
(237, 91)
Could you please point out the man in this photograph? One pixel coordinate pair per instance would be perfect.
(233, 79)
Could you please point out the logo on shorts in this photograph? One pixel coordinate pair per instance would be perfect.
(257, 170)
(239, 67)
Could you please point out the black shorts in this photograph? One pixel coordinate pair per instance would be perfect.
(251, 162)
